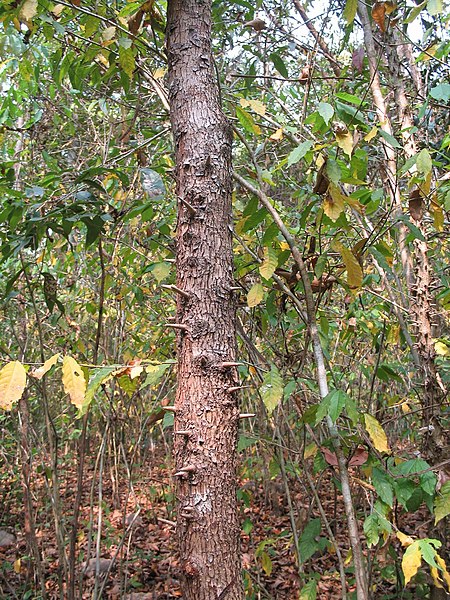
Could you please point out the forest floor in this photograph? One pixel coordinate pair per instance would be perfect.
(138, 559)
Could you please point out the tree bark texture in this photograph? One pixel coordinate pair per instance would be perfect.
(206, 409)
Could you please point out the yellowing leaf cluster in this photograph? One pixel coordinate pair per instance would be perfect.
(376, 433)
(13, 379)
(74, 381)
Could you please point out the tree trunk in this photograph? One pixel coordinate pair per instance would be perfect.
(206, 409)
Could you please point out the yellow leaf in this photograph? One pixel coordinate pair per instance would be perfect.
(354, 271)
(135, 372)
(74, 381)
(13, 378)
(376, 433)
(28, 10)
(390, 7)
(372, 133)
(266, 563)
(310, 451)
(441, 349)
(102, 59)
(258, 107)
(159, 73)
(405, 540)
(435, 575)
(57, 9)
(345, 142)
(39, 373)
(405, 408)
(108, 34)
(438, 214)
(411, 561)
(277, 136)
(269, 264)
(255, 295)
(334, 202)
(17, 565)
(428, 53)
(445, 574)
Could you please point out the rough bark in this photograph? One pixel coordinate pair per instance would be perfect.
(206, 410)
(423, 306)
(389, 163)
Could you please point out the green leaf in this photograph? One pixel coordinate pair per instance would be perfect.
(269, 264)
(371, 530)
(429, 551)
(338, 400)
(390, 139)
(352, 411)
(404, 489)
(435, 7)
(350, 10)
(442, 502)
(247, 526)
(161, 270)
(383, 486)
(272, 389)
(357, 100)
(154, 374)
(91, 25)
(247, 121)
(168, 420)
(99, 377)
(441, 92)
(126, 60)
(279, 65)
(415, 12)
(299, 152)
(326, 111)
(333, 171)
(308, 543)
(423, 162)
(309, 591)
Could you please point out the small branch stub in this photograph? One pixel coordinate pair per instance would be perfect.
(184, 471)
(174, 288)
(190, 208)
(247, 415)
(170, 409)
(177, 326)
(224, 365)
(183, 432)
(235, 388)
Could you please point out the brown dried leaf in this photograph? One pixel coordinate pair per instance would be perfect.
(322, 181)
(358, 59)
(330, 457)
(359, 457)
(416, 205)
(378, 14)
(256, 24)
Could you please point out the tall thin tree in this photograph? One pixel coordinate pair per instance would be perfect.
(206, 408)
